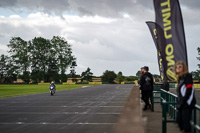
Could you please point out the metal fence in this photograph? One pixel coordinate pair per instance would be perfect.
(168, 102)
(195, 122)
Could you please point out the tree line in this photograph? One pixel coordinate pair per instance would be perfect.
(45, 60)
(196, 74)
(42, 59)
(38, 59)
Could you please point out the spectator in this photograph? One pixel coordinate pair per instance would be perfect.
(146, 84)
(186, 99)
(141, 73)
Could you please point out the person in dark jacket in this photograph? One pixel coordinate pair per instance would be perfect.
(146, 84)
(186, 99)
(141, 73)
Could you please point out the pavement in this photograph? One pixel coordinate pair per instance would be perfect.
(154, 124)
(93, 109)
(154, 121)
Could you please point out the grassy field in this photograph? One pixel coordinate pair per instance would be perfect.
(17, 90)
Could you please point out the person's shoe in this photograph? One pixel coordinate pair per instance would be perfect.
(145, 108)
(150, 107)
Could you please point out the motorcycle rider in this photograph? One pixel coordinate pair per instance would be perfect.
(53, 84)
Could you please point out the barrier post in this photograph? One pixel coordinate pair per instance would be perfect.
(164, 117)
(194, 120)
(152, 102)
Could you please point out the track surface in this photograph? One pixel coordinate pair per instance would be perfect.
(93, 109)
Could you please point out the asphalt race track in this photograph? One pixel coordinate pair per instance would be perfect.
(94, 109)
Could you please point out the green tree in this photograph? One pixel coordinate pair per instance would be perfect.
(51, 58)
(12, 72)
(120, 77)
(87, 75)
(131, 78)
(198, 58)
(3, 68)
(40, 54)
(73, 72)
(41, 59)
(19, 50)
(138, 74)
(52, 73)
(196, 74)
(109, 76)
(156, 77)
(63, 54)
(8, 71)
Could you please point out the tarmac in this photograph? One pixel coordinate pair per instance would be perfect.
(93, 109)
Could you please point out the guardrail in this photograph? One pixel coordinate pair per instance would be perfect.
(168, 102)
(195, 122)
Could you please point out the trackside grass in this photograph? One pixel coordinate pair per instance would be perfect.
(18, 90)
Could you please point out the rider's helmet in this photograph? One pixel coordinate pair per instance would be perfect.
(52, 83)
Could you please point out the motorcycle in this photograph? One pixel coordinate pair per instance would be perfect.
(52, 89)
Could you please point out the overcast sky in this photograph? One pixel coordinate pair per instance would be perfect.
(104, 34)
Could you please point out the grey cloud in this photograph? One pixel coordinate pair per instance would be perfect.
(85, 11)
(128, 39)
(8, 3)
(192, 4)
(108, 8)
(48, 6)
(2, 35)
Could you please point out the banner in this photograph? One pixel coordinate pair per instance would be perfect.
(160, 42)
(169, 17)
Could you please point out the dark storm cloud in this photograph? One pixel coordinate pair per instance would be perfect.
(8, 3)
(107, 8)
(49, 6)
(104, 7)
(110, 8)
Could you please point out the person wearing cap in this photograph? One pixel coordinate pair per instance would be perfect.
(146, 85)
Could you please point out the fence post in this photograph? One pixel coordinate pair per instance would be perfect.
(167, 100)
(152, 101)
(161, 97)
(164, 117)
(194, 121)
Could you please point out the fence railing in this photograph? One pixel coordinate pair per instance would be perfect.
(168, 102)
(195, 122)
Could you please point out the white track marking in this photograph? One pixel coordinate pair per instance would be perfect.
(46, 123)
(58, 113)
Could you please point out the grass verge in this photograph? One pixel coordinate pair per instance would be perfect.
(18, 90)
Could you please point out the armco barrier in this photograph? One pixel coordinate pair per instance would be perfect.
(43, 83)
(95, 83)
(69, 83)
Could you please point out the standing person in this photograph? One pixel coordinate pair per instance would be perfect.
(186, 99)
(141, 73)
(146, 84)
